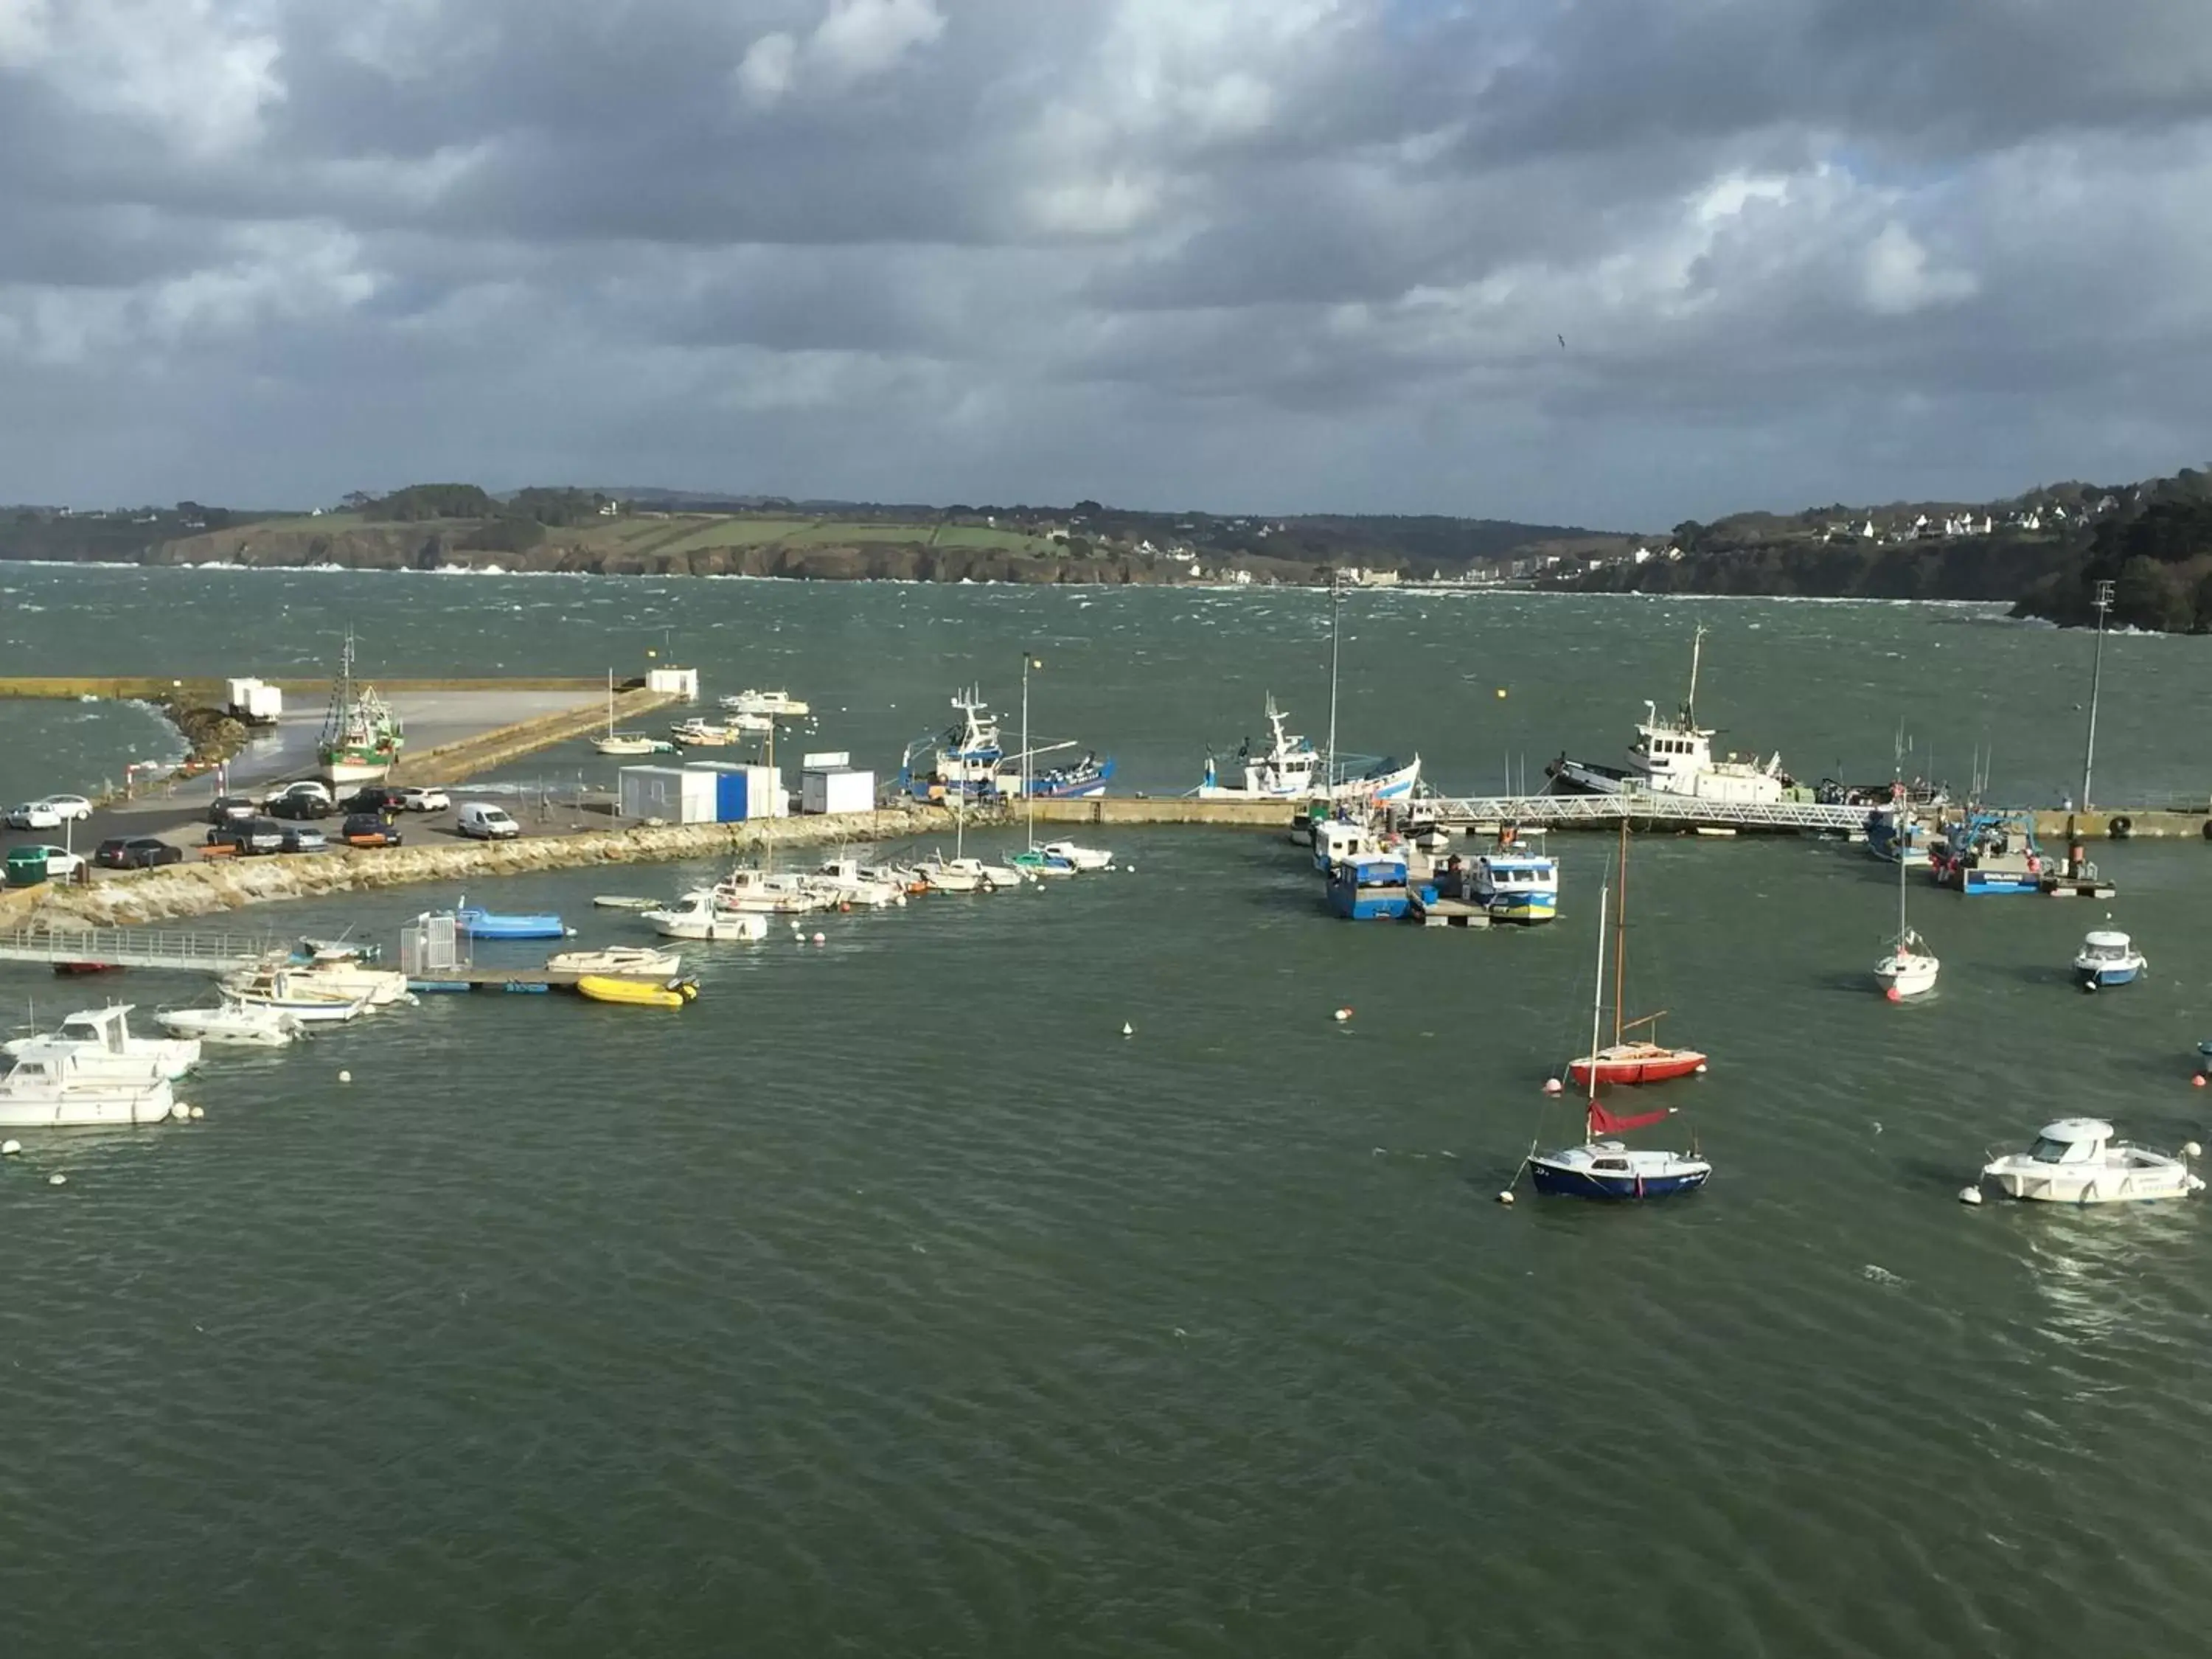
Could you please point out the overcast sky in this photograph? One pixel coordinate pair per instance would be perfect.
(1290, 254)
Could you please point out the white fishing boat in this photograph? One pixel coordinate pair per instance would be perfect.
(765, 893)
(845, 882)
(774, 705)
(2075, 1160)
(99, 1047)
(696, 915)
(1909, 968)
(1080, 858)
(361, 737)
(623, 743)
(1672, 755)
(232, 1024)
(2108, 957)
(1517, 880)
(620, 961)
(1292, 768)
(52, 1090)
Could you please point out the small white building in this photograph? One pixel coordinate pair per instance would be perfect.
(674, 794)
(674, 682)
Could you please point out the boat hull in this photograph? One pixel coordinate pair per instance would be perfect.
(1589, 1173)
(80, 1108)
(2106, 977)
(2103, 1187)
(1663, 1066)
(482, 925)
(721, 927)
(1910, 977)
(636, 993)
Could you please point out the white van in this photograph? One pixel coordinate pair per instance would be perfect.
(485, 822)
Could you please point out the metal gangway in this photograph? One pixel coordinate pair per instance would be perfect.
(1643, 807)
(139, 947)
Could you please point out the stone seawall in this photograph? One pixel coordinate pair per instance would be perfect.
(202, 888)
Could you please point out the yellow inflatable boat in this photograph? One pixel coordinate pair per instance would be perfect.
(639, 993)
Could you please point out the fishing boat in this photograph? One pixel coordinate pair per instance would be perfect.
(1609, 1169)
(55, 1090)
(1990, 855)
(1909, 968)
(696, 915)
(637, 961)
(2108, 957)
(361, 737)
(1895, 832)
(231, 1024)
(772, 705)
(100, 1048)
(476, 922)
(625, 743)
(1337, 840)
(1292, 768)
(1672, 755)
(1368, 886)
(1081, 857)
(1623, 1060)
(2075, 1160)
(638, 992)
(844, 881)
(1516, 880)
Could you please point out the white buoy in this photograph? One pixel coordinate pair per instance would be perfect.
(1553, 1086)
(345, 1076)
(11, 1149)
(820, 939)
(198, 1112)
(180, 1112)
(1128, 1029)
(2188, 1149)
(57, 1179)
(1701, 1068)
(1970, 1194)
(1505, 1197)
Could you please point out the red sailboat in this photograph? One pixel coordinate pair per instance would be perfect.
(1623, 1060)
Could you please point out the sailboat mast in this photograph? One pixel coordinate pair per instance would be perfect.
(610, 703)
(1335, 615)
(1597, 1014)
(2104, 604)
(1620, 941)
(1028, 783)
(1697, 651)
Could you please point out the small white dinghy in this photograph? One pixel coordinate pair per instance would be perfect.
(1082, 858)
(235, 1024)
(2077, 1161)
(624, 961)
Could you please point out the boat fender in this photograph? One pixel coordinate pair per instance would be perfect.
(2035, 864)
(2120, 828)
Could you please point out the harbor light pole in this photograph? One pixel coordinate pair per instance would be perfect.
(1335, 613)
(1029, 659)
(2103, 602)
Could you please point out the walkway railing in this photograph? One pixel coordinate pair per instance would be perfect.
(139, 947)
(1677, 811)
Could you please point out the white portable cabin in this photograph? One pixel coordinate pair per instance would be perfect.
(740, 791)
(674, 682)
(256, 702)
(835, 788)
(677, 794)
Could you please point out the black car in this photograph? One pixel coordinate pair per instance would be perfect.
(248, 836)
(374, 799)
(368, 829)
(136, 853)
(307, 804)
(230, 809)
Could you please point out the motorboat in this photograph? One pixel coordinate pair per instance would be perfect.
(343, 978)
(2077, 1161)
(637, 961)
(1287, 768)
(335, 950)
(476, 922)
(100, 1048)
(1610, 1169)
(696, 733)
(966, 875)
(1623, 1060)
(844, 882)
(761, 891)
(232, 1024)
(2108, 957)
(779, 705)
(638, 992)
(698, 915)
(52, 1090)
(1038, 865)
(1082, 858)
(295, 992)
(1672, 755)
(1516, 880)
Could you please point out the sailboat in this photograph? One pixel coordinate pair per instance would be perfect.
(1622, 1060)
(624, 743)
(1607, 1168)
(1034, 861)
(1910, 966)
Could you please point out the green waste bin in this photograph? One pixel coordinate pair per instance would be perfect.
(26, 866)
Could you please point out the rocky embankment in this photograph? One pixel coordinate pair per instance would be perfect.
(207, 888)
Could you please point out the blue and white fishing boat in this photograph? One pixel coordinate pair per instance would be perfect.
(1988, 855)
(2108, 957)
(1896, 835)
(477, 923)
(1517, 880)
(1335, 840)
(1609, 1169)
(1369, 887)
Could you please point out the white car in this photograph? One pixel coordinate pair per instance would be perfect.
(413, 798)
(61, 864)
(314, 787)
(33, 815)
(70, 806)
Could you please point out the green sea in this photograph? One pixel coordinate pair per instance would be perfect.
(890, 1300)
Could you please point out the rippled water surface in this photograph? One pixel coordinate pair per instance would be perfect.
(890, 1300)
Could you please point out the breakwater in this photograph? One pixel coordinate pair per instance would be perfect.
(457, 761)
(179, 890)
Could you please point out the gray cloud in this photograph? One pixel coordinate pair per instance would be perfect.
(1293, 254)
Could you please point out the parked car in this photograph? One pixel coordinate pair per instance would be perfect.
(70, 806)
(303, 838)
(33, 815)
(313, 786)
(247, 836)
(61, 864)
(230, 809)
(376, 798)
(368, 829)
(413, 798)
(136, 853)
(483, 822)
(301, 806)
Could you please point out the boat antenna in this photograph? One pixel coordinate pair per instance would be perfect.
(2103, 602)
(1335, 612)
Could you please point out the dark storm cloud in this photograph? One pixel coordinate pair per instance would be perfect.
(1274, 253)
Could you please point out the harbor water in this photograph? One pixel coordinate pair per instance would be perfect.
(890, 1299)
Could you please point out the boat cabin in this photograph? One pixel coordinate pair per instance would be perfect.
(2071, 1140)
(2106, 945)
